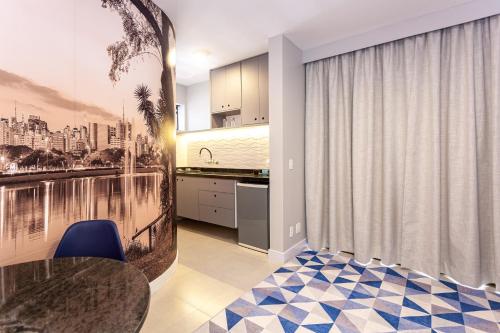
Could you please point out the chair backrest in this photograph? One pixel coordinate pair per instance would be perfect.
(94, 238)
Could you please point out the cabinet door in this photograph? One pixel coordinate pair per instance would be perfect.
(218, 86)
(180, 197)
(250, 91)
(187, 197)
(263, 88)
(232, 94)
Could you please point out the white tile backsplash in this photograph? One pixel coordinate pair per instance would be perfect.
(239, 148)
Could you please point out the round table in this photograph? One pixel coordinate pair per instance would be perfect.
(73, 295)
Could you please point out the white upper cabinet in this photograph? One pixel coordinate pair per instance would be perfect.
(241, 89)
(255, 90)
(218, 89)
(233, 87)
(250, 91)
(225, 85)
(264, 88)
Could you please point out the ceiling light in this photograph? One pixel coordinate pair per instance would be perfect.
(171, 57)
(201, 57)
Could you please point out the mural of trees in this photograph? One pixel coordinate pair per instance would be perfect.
(87, 126)
(148, 32)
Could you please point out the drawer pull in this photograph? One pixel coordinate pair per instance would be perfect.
(215, 195)
(215, 210)
(215, 183)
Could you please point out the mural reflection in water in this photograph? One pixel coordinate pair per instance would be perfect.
(33, 217)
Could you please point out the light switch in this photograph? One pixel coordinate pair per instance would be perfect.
(290, 164)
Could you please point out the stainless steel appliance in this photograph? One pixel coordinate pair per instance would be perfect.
(252, 213)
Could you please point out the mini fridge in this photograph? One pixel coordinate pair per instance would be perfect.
(252, 214)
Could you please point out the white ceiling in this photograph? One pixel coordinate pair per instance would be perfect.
(212, 33)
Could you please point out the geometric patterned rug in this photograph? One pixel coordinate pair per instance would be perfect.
(322, 292)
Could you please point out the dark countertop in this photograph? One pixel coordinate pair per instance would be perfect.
(73, 295)
(242, 175)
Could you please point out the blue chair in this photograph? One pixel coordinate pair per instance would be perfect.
(94, 238)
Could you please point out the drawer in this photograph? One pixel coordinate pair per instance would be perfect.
(217, 185)
(217, 199)
(217, 215)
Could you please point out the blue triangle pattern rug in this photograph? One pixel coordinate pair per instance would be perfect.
(321, 292)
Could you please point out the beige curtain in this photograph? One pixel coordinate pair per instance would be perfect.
(403, 152)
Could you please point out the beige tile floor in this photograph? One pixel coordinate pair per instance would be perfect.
(212, 272)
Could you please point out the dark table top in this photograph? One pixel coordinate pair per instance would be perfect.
(73, 295)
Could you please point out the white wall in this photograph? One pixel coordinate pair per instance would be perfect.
(180, 94)
(180, 98)
(466, 12)
(198, 106)
(286, 120)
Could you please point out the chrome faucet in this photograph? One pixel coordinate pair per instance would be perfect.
(211, 160)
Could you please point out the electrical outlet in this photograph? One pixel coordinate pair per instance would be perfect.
(297, 228)
(291, 232)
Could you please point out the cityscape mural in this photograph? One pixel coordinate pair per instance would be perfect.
(87, 126)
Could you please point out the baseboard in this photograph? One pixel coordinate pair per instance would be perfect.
(157, 283)
(282, 257)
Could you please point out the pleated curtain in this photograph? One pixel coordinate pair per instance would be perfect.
(403, 152)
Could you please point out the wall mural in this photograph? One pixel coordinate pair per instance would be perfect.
(87, 126)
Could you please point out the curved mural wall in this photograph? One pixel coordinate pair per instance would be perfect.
(87, 126)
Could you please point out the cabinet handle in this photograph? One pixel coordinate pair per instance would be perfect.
(255, 119)
(215, 195)
(215, 183)
(228, 105)
(223, 106)
(215, 210)
(262, 118)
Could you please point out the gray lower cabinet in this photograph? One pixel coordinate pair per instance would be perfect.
(209, 200)
(217, 199)
(217, 215)
(187, 197)
(217, 185)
